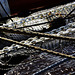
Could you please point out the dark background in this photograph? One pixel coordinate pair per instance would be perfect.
(17, 6)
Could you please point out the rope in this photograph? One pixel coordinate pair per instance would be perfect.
(38, 48)
(10, 30)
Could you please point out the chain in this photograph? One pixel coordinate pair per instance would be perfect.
(12, 48)
(41, 16)
(59, 30)
(38, 48)
(32, 41)
(57, 12)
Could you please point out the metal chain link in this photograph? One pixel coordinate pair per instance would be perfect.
(57, 12)
(38, 48)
